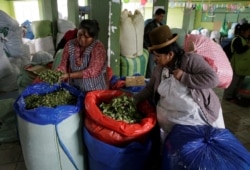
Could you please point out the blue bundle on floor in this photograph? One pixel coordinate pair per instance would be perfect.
(203, 147)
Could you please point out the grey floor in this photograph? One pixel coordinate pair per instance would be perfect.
(237, 120)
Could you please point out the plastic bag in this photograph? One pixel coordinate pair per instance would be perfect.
(47, 115)
(203, 147)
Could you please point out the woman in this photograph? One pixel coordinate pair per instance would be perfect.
(181, 85)
(240, 62)
(84, 60)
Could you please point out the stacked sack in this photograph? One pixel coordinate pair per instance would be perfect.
(43, 36)
(131, 33)
(133, 57)
(13, 53)
(63, 26)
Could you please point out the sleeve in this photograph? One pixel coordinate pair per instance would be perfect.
(198, 73)
(148, 92)
(97, 61)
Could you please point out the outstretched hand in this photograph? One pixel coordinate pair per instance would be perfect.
(64, 77)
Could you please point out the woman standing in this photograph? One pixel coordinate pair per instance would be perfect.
(84, 60)
(240, 62)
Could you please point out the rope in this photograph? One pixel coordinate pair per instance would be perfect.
(65, 149)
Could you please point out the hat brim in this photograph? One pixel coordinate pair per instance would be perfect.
(158, 46)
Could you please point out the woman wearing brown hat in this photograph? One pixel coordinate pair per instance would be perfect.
(181, 85)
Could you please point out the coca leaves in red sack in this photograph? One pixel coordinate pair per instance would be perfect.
(95, 98)
(213, 54)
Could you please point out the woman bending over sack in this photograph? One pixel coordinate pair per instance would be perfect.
(84, 60)
(181, 85)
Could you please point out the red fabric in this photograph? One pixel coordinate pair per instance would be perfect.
(113, 127)
(109, 73)
(71, 34)
(118, 85)
(213, 54)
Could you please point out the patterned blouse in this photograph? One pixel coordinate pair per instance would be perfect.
(92, 62)
(97, 60)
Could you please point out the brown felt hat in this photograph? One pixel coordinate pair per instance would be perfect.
(161, 37)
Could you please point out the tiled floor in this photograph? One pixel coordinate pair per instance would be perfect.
(237, 120)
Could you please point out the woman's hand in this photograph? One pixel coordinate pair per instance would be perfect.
(64, 77)
(177, 73)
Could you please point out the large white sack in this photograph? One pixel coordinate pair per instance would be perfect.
(138, 22)
(45, 44)
(59, 37)
(127, 35)
(8, 22)
(13, 45)
(5, 66)
(9, 83)
(215, 35)
(195, 32)
(31, 44)
(19, 62)
(65, 25)
(205, 32)
(41, 148)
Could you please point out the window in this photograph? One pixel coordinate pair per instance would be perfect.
(26, 10)
(62, 8)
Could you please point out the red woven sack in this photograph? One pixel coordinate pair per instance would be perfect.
(213, 54)
(95, 98)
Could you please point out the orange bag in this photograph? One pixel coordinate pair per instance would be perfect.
(109, 136)
(113, 131)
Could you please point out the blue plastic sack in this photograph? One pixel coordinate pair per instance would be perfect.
(203, 147)
(47, 115)
(102, 156)
(29, 33)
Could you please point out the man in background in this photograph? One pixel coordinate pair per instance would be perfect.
(155, 22)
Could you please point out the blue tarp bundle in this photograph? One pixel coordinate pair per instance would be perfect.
(203, 148)
(47, 115)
